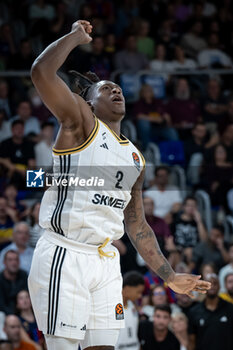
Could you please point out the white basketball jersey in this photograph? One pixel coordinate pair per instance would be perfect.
(100, 174)
(128, 336)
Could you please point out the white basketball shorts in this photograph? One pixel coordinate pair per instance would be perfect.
(73, 289)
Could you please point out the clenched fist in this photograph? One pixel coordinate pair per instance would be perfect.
(82, 29)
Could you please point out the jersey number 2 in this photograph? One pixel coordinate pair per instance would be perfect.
(119, 176)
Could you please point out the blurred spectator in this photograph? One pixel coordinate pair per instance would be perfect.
(20, 244)
(207, 268)
(211, 322)
(38, 108)
(85, 12)
(159, 62)
(6, 345)
(182, 11)
(110, 46)
(228, 117)
(225, 138)
(181, 62)
(213, 56)
(35, 230)
(156, 334)
(158, 296)
(179, 327)
(193, 42)
(197, 11)
(185, 303)
(7, 44)
(225, 270)
(126, 11)
(61, 24)
(24, 58)
(152, 119)
(5, 126)
(24, 113)
(17, 153)
(41, 10)
(218, 176)
(7, 219)
(99, 26)
(166, 198)
(152, 280)
(197, 142)
(145, 44)
(43, 149)
(133, 286)
(209, 9)
(98, 60)
(17, 206)
(4, 98)
(158, 225)
(167, 36)
(12, 280)
(213, 105)
(183, 110)
(12, 329)
(188, 228)
(130, 58)
(27, 318)
(213, 250)
(228, 295)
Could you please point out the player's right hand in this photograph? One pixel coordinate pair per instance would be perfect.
(82, 29)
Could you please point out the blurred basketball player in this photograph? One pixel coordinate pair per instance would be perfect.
(75, 282)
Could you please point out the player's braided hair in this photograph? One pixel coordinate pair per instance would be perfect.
(84, 82)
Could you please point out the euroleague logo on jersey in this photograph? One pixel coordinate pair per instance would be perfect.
(136, 160)
(119, 312)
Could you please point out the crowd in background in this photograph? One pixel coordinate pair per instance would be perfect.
(193, 114)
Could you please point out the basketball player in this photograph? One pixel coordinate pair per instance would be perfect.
(75, 282)
(133, 287)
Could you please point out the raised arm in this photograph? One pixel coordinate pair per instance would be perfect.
(144, 240)
(68, 107)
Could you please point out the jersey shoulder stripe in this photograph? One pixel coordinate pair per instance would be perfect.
(84, 145)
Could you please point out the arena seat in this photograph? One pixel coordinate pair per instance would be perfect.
(228, 225)
(129, 130)
(172, 152)
(204, 205)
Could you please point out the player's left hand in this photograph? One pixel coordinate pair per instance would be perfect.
(184, 283)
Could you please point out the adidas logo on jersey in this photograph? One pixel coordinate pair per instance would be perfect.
(104, 145)
(84, 328)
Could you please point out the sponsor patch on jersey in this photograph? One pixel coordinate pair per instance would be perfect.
(136, 160)
(108, 201)
(119, 312)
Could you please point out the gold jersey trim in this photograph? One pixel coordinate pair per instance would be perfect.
(143, 159)
(123, 142)
(84, 145)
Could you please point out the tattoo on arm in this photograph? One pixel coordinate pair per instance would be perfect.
(165, 271)
(143, 235)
